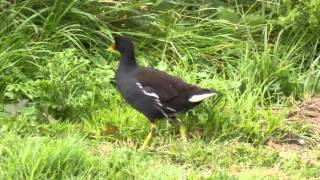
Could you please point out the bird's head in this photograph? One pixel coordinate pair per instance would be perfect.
(123, 44)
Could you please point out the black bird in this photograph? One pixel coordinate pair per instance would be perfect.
(154, 93)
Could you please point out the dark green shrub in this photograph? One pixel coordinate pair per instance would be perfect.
(67, 87)
(32, 30)
(303, 15)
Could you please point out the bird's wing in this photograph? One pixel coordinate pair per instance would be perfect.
(162, 85)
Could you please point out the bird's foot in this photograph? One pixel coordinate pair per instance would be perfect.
(149, 138)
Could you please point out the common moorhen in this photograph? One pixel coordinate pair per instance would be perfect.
(154, 93)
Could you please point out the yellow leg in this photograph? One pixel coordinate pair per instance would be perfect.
(182, 130)
(148, 139)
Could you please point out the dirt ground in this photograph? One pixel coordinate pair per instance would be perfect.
(305, 112)
(308, 111)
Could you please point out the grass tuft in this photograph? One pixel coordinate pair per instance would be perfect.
(76, 126)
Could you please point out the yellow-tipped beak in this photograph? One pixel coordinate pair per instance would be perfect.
(112, 49)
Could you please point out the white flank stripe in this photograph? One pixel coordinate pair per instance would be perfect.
(150, 94)
(163, 113)
(200, 97)
(146, 93)
(171, 109)
(159, 104)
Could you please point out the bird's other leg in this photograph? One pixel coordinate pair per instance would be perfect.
(182, 129)
(149, 137)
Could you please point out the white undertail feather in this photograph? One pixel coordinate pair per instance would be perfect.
(200, 97)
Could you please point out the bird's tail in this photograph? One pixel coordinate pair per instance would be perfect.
(202, 94)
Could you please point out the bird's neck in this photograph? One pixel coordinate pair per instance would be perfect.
(128, 59)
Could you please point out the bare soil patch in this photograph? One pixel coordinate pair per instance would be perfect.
(308, 111)
(305, 112)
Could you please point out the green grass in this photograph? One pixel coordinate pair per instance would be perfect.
(76, 125)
